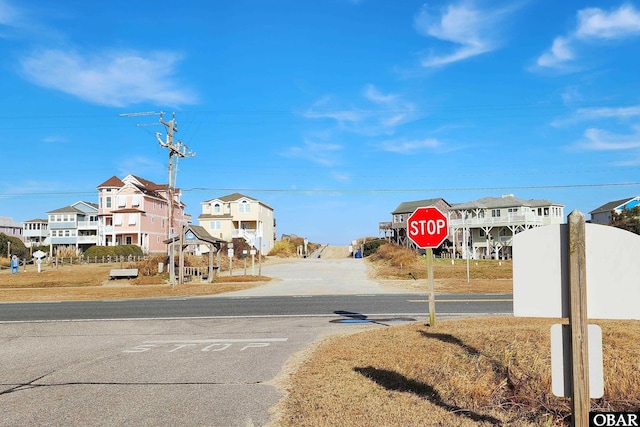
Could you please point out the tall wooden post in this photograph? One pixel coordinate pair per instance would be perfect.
(578, 320)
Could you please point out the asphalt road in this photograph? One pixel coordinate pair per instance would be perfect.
(231, 307)
(194, 361)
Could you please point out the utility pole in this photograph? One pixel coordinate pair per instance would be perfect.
(176, 149)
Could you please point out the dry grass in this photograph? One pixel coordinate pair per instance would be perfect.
(486, 371)
(91, 282)
(401, 267)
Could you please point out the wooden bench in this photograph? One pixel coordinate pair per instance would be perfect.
(123, 273)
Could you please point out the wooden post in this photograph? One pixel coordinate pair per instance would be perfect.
(578, 320)
(181, 258)
(432, 302)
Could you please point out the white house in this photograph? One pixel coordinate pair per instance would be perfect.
(485, 228)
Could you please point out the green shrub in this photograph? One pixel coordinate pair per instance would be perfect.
(17, 246)
(372, 246)
(113, 251)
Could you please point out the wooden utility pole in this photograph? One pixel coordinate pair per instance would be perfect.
(578, 320)
(176, 150)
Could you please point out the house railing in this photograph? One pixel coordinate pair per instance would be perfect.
(88, 224)
(517, 219)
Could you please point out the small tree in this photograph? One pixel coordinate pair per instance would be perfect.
(17, 246)
(628, 219)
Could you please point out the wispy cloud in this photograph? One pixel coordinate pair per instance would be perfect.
(602, 140)
(8, 14)
(598, 113)
(469, 28)
(406, 146)
(139, 165)
(115, 79)
(325, 108)
(377, 112)
(318, 152)
(593, 24)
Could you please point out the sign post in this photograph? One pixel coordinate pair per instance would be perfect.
(428, 228)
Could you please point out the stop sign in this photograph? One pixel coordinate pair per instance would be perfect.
(427, 227)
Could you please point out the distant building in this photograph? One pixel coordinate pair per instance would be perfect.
(75, 225)
(240, 216)
(604, 213)
(485, 228)
(11, 228)
(35, 232)
(136, 211)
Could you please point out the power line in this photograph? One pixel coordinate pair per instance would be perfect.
(350, 191)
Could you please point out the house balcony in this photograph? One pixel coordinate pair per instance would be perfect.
(87, 225)
(88, 240)
(499, 221)
(248, 234)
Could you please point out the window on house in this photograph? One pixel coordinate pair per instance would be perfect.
(108, 202)
(122, 201)
(132, 219)
(513, 210)
(128, 240)
(482, 233)
(495, 213)
(216, 208)
(244, 207)
(215, 225)
(136, 200)
(117, 219)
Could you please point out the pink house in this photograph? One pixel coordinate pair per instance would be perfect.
(135, 211)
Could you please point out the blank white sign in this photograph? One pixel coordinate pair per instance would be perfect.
(541, 279)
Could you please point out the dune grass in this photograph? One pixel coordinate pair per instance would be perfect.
(464, 372)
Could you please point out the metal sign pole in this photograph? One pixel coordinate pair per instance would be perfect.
(432, 302)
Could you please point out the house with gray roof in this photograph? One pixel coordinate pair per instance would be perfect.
(75, 225)
(604, 213)
(484, 228)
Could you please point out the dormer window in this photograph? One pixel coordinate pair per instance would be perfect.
(216, 208)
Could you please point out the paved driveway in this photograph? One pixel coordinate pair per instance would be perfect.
(324, 276)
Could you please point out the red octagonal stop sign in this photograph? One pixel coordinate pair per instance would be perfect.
(427, 227)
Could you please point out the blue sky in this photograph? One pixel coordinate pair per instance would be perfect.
(333, 112)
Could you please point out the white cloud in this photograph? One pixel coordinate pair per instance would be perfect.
(404, 146)
(608, 112)
(317, 152)
(381, 114)
(325, 108)
(593, 24)
(374, 95)
(471, 29)
(138, 165)
(595, 113)
(114, 79)
(559, 53)
(620, 23)
(8, 14)
(601, 140)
